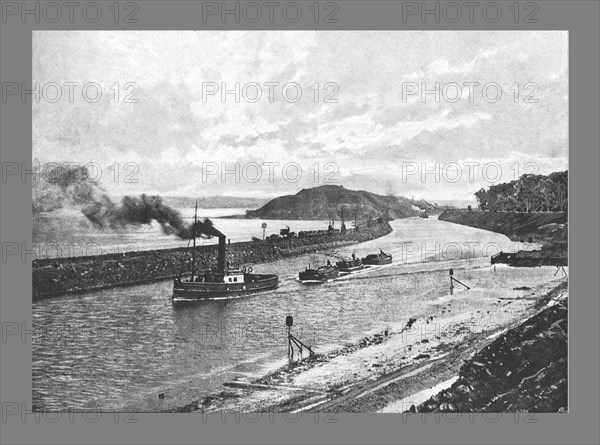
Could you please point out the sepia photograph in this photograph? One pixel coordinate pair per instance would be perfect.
(300, 221)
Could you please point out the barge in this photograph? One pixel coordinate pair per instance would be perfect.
(351, 265)
(320, 274)
(378, 259)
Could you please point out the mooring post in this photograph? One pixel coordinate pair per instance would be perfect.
(289, 322)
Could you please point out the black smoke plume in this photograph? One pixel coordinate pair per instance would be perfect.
(73, 187)
(203, 229)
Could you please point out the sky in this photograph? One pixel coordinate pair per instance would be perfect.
(360, 122)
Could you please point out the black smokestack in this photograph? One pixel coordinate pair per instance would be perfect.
(221, 258)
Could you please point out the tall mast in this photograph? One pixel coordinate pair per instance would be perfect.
(194, 237)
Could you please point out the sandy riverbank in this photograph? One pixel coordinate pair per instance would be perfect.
(383, 371)
(523, 370)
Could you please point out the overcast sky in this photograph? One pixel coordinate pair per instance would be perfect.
(372, 134)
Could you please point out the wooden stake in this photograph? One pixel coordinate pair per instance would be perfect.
(461, 283)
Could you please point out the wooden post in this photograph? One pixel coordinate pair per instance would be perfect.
(194, 247)
(289, 322)
(451, 282)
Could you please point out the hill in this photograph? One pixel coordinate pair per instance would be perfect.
(327, 202)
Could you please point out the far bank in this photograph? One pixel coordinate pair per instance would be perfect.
(548, 229)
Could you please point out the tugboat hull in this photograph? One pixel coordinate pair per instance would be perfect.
(186, 290)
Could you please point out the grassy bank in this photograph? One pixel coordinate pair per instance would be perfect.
(52, 277)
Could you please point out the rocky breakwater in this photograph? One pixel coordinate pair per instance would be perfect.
(52, 277)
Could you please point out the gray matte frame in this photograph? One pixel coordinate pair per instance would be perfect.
(580, 425)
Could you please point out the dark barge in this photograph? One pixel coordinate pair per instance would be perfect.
(320, 274)
(378, 259)
(532, 258)
(351, 265)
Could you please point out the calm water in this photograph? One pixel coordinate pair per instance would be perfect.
(117, 349)
(69, 234)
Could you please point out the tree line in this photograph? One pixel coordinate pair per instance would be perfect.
(530, 193)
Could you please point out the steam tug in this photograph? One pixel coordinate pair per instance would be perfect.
(378, 259)
(349, 266)
(220, 283)
(320, 274)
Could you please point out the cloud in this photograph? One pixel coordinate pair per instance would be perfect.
(351, 110)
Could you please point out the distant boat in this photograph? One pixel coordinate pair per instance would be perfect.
(320, 274)
(223, 282)
(351, 265)
(378, 259)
